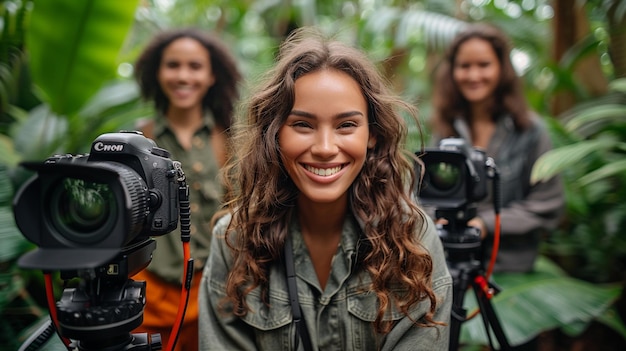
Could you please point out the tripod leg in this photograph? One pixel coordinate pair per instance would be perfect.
(459, 313)
(490, 319)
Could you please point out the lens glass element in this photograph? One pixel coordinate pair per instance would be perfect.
(443, 176)
(82, 209)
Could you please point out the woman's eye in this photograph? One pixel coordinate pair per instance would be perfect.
(349, 124)
(300, 124)
(196, 66)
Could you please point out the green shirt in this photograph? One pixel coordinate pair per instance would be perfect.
(205, 193)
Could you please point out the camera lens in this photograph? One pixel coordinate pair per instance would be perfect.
(80, 209)
(443, 176)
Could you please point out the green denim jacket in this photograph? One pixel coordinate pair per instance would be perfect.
(338, 318)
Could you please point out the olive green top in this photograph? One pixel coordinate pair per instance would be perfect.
(205, 193)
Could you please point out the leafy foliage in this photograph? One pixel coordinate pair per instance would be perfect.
(544, 299)
(72, 51)
(591, 158)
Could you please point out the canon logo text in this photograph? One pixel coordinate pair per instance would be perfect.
(102, 147)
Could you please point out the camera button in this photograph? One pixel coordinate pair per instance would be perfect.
(160, 152)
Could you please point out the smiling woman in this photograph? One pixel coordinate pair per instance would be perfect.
(332, 234)
(478, 97)
(192, 80)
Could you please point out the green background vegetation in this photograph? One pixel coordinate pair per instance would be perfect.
(65, 78)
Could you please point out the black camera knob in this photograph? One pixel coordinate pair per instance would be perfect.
(160, 152)
(155, 199)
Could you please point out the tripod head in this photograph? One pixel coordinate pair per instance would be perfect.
(461, 243)
(106, 305)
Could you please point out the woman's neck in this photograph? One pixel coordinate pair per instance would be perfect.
(184, 123)
(184, 118)
(481, 111)
(321, 226)
(482, 125)
(322, 221)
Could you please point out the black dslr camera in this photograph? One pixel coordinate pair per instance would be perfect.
(81, 211)
(455, 179)
(455, 175)
(92, 217)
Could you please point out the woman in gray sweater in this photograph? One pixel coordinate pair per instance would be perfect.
(478, 97)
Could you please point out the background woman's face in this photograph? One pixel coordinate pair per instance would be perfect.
(185, 73)
(325, 138)
(476, 70)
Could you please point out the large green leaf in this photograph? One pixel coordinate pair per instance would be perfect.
(40, 135)
(117, 105)
(8, 156)
(557, 160)
(542, 300)
(74, 46)
(618, 85)
(13, 243)
(591, 120)
(608, 170)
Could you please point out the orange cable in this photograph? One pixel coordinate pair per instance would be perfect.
(52, 306)
(496, 244)
(182, 304)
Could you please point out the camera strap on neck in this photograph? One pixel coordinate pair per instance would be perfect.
(298, 318)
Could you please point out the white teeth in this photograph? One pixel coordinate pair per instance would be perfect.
(324, 172)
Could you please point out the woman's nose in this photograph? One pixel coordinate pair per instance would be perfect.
(473, 74)
(325, 144)
(183, 74)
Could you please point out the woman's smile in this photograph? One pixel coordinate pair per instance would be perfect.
(323, 171)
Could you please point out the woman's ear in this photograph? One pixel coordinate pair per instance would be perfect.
(371, 142)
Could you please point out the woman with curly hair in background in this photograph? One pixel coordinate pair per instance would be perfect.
(192, 79)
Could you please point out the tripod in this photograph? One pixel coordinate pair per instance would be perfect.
(462, 245)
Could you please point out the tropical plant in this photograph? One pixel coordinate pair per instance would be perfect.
(49, 84)
(545, 299)
(592, 158)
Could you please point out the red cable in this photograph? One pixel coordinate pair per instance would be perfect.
(184, 297)
(52, 306)
(496, 244)
(494, 253)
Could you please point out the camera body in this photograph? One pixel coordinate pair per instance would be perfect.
(455, 175)
(81, 211)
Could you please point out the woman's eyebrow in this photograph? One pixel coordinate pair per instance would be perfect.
(338, 116)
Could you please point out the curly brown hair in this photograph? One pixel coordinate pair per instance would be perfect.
(263, 197)
(448, 102)
(220, 98)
